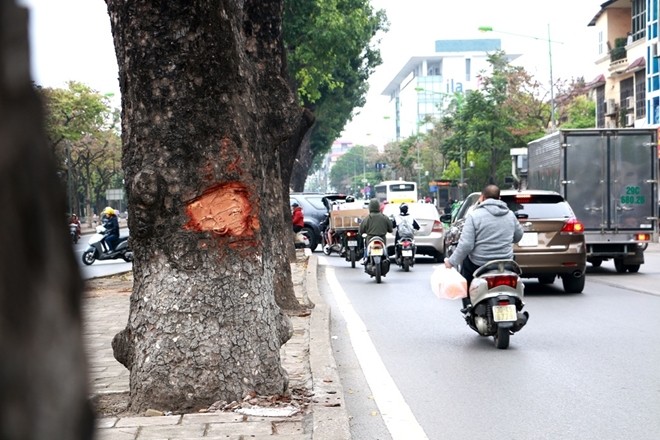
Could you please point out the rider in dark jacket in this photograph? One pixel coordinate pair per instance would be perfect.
(376, 224)
(111, 224)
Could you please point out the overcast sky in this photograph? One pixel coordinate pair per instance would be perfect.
(71, 40)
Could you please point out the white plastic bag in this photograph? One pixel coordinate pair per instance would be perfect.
(448, 283)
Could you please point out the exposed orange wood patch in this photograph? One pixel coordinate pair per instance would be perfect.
(223, 210)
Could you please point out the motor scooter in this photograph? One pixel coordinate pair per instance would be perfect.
(331, 241)
(496, 294)
(74, 232)
(404, 253)
(377, 264)
(301, 240)
(352, 243)
(98, 250)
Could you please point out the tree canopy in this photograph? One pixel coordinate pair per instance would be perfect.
(330, 54)
(83, 135)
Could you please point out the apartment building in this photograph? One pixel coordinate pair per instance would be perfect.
(627, 91)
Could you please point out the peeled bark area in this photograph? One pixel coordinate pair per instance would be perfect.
(204, 108)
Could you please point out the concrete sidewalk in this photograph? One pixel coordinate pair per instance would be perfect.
(307, 357)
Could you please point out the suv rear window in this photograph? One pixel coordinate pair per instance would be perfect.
(538, 206)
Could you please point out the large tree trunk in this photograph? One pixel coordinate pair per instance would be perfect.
(302, 164)
(289, 152)
(205, 107)
(43, 380)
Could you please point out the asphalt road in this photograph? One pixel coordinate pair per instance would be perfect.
(585, 367)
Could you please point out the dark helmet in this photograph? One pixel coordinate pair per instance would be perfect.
(350, 199)
(294, 205)
(403, 209)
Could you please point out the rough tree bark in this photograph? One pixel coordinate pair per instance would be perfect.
(43, 377)
(205, 106)
(301, 165)
(289, 152)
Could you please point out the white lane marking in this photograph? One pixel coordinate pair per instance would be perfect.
(396, 413)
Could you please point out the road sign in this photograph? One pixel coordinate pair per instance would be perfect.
(114, 194)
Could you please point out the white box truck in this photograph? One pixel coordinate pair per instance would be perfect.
(610, 179)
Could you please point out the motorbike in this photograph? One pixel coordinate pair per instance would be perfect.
(496, 294)
(352, 243)
(98, 250)
(404, 253)
(301, 240)
(377, 264)
(74, 232)
(331, 242)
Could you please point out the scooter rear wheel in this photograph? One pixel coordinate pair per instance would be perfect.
(377, 273)
(88, 257)
(353, 258)
(502, 338)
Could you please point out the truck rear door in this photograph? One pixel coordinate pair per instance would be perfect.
(632, 165)
(584, 176)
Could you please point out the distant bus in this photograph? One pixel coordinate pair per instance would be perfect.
(396, 191)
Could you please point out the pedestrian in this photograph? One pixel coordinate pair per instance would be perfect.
(298, 218)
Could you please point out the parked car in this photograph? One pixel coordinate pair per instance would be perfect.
(553, 244)
(314, 211)
(429, 238)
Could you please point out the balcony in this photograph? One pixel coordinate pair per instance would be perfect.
(618, 56)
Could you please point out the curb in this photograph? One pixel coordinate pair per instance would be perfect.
(330, 416)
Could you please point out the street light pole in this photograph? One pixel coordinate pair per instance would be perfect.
(553, 120)
(460, 183)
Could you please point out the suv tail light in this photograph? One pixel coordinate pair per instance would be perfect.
(502, 280)
(573, 226)
(437, 227)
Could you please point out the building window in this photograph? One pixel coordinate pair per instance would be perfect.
(468, 69)
(600, 43)
(626, 89)
(640, 94)
(638, 19)
(433, 69)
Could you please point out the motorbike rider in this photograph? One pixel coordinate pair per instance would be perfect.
(398, 223)
(298, 217)
(376, 224)
(111, 224)
(74, 220)
(489, 232)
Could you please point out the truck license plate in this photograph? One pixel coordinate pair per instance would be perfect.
(352, 243)
(504, 313)
(529, 239)
(406, 253)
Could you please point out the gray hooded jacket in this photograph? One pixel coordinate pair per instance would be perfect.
(488, 234)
